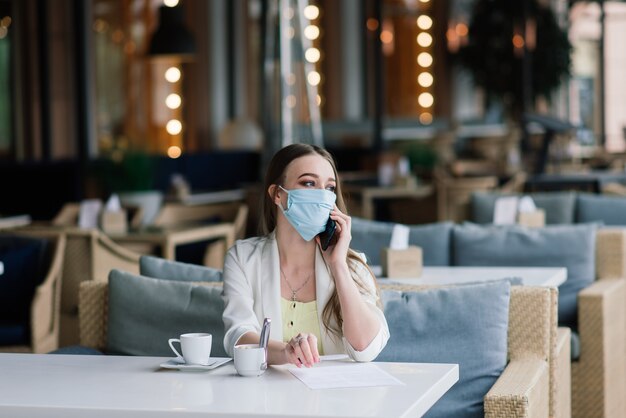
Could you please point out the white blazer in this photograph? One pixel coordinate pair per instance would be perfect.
(252, 293)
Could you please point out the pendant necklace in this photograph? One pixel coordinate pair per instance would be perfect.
(293, 292)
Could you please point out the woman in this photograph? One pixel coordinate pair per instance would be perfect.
(320, 302)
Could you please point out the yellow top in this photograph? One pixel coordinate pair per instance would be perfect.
(300, 317)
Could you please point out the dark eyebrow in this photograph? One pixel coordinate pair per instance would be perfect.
(316, 176)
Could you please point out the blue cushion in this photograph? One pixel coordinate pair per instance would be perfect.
(370, 237)
(145, 312)
(610, 210)
(463, 324)
(560, 207)
(161, 268)
(76, 349)
(14, 334)
(25, 262)
(570, 246)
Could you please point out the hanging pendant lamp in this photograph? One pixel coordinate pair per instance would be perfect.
(172, 38)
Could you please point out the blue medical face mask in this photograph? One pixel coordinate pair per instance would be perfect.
(308, 210)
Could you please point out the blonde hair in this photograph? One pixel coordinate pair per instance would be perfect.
(276, 175)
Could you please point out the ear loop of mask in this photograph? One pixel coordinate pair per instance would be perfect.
(281, 203)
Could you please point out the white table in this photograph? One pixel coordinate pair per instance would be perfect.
(531, 276)
(54, 385)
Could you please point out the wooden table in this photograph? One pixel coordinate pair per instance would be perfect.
(367, 194)
(169, 237)
(55, 385)
(530, 276)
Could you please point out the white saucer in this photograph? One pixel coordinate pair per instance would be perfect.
(179, 363)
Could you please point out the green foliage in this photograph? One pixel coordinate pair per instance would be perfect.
(133, 171)
(421, 156)
(490, 55)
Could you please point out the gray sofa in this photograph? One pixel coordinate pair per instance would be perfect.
(501, 336)
(590, 302)
(560, 207)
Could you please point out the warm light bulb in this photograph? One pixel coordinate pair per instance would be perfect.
(424, 39)
(425, 59)
(426, 118)
(170, 3)
(174, 127)
(311, 12)
(426, 100)
(312, 32)
(425, 79)
(424, 22)
(318, 100)
(372, 24)
(312, 55)
(172, 74)
(173, 101)
(174, 151)
(290, 101)
(289, 12)
(314, 78)
(386, 36)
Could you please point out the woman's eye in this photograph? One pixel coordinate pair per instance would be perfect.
(331, 188)
(308, 183)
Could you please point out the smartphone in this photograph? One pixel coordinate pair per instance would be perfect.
(327, 237)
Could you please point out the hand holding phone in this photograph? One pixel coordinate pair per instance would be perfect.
(327, 237)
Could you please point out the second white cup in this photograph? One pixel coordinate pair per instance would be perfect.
(195, 347)
(249, 359)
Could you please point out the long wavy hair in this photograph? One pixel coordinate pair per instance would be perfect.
(276, 175)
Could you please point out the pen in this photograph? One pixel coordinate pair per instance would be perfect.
(265, 336)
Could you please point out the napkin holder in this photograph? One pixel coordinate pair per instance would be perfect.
(402, 263)
(533, 219)
(114, 222)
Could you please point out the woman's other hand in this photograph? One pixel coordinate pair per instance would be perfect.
(301, 350)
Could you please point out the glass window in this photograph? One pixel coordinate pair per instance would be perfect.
(6, 75)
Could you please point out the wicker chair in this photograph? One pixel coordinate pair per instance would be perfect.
(235, 213)
(45, 305)
(70, 212)
(453, 193)
(89, 255)
(599, 375)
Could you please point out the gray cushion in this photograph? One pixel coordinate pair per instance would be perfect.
(570, 246)
(610, 210)
(161, 268)
(145, 312)
(462, 324)
(560, 207)
(370, 237)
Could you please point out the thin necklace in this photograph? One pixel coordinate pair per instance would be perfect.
(293, 292)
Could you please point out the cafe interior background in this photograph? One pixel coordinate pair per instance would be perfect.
(87, 108)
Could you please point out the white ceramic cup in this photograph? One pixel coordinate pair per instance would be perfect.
(195, 347)
(249, 359)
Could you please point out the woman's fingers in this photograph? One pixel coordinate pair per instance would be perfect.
(304, 349)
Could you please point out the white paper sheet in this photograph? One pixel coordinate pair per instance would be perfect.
(345, 376)
(505, 211)
(399, 237)
(526, 204)
(89, 212)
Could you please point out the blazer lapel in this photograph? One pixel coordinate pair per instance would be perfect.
(269, 273)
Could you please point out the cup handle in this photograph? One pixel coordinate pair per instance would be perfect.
(171, 342)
